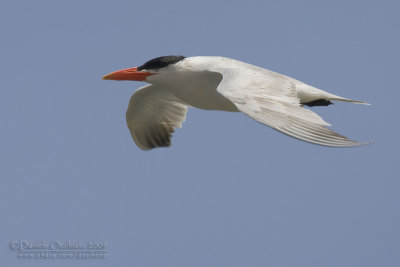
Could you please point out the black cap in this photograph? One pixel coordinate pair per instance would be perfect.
(160, 62)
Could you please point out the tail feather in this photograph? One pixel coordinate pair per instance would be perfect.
(309, 94)
(338, 98)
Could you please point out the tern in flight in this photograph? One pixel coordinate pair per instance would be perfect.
(219, 83)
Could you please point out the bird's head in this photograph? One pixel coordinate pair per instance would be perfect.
(151, 67)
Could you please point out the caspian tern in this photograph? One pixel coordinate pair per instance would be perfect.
(218, 83)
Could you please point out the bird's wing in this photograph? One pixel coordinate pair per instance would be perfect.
(152, 114)
(271, 99)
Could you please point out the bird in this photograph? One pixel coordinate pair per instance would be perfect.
(176, 83)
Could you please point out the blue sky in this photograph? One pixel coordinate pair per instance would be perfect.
(230, 191)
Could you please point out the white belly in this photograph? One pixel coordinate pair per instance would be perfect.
(197, 89)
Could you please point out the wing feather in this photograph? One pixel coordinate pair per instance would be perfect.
(152, 115)
(272, 99)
